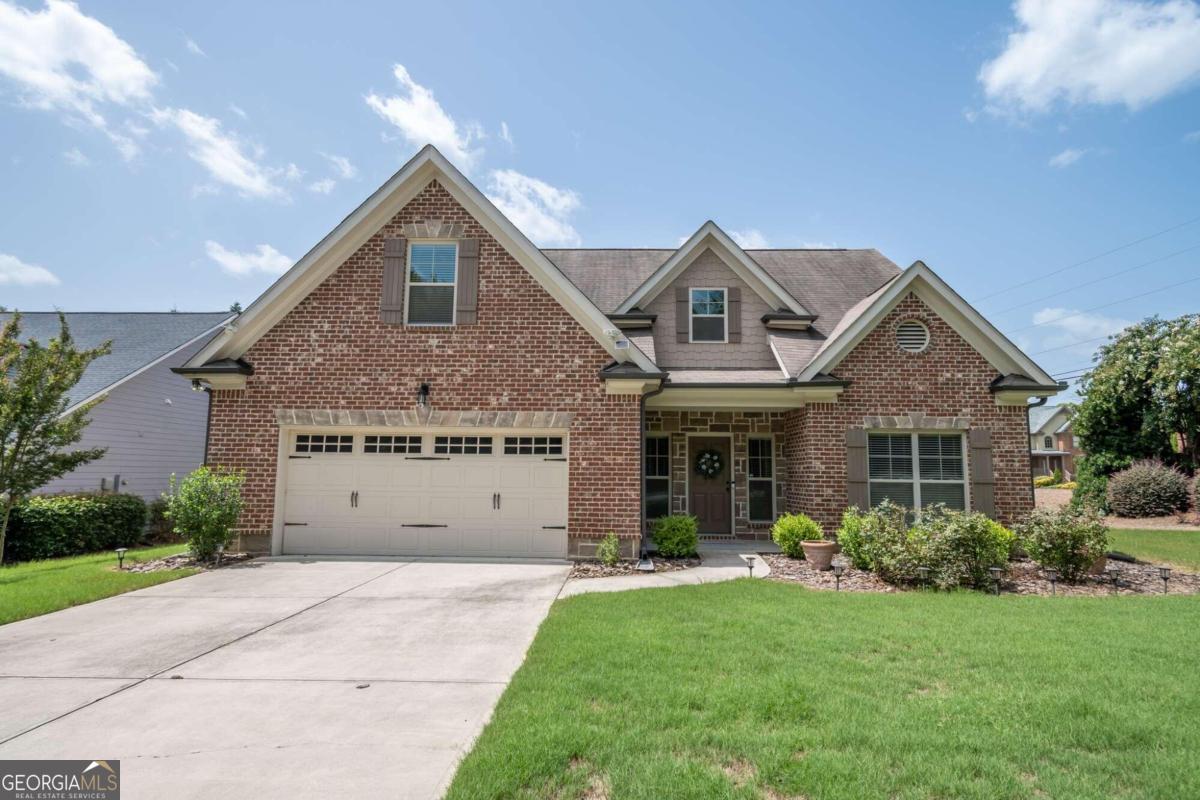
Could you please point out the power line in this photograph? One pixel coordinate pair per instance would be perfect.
(1072, 344)
(1106, 305)
(1069, 371)
(1098, 280)
(1089, 260)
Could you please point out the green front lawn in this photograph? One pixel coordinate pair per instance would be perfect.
(1181, 548)
(39, 587)
(755, 689)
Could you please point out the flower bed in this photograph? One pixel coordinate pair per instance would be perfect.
(598, 569)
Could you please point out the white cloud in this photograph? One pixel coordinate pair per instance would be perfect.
(76, 158)
(323, 186)
(1064, 326)
(421, 120)
(221, 153)
(1067, 157)
(293, 172)
(1192, 138)
(342, 164)
(263, 259)
(15, 271)
(62, 60)
(539, 210)
(506, 134)
(239, 111)
(193, 48)
(750, 239)
(1103, 52)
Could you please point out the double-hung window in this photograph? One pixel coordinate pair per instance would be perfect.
(1048, 442)
(761, 480)
(658, 476)
(432, 276)
(915, 470)
(708, 315)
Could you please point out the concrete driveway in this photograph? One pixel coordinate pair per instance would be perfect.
(277, 678)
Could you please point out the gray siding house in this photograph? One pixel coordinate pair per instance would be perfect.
(151, 421)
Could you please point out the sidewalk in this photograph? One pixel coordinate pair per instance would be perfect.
(717, 564)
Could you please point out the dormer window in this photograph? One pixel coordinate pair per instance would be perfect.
(708, 315)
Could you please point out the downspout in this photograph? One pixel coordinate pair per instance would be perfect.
(1041, 401)
(207, 424)
(642, 462)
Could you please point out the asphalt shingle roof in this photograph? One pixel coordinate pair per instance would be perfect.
(137, 339)
(1040, 415)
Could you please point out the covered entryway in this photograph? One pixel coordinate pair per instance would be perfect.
(710, 486)
(425, 493)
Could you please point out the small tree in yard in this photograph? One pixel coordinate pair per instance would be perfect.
(35, 430)
(204, 507)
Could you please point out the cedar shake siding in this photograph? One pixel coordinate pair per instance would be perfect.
(949, 380)
(524, 352)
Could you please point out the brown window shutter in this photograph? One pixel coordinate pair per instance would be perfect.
(857, 490)
(733, 313)
(467, 300)
(683, 312)
(983, 478)
(391, 300)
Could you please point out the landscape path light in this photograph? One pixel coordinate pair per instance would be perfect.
(121, 551)
(750, 565)
(1114, 573)
(1052, 576)
(1165, 574)
(923, 575)
(838, 569)
(996, 572)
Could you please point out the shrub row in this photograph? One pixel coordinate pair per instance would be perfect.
(51, 526)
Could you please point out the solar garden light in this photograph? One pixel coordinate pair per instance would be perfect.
(996, 573)
(121, 557)
(1114, 573)
(1165, 574)
(923, 574)
(750, 565)
(838, 569)
(1052, 576)
(220, 552)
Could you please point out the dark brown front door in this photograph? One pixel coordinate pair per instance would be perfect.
(709, 499)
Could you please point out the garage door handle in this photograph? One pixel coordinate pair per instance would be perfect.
(423, 525)
(427, 458)
(554, 459)
(295, 524)
(554, 527)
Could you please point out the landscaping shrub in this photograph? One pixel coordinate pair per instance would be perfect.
(1042, 481)
(1067, 485)
(1057, 476)
(1148, 489)
(51, 526)
(959, 547)
(609, 550)
(676, 536)
(204, 507)
(791, 530)
(850, 537)
(886, 547)
(1067, 539)
(1091, 478)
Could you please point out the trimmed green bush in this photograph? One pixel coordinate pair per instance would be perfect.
(1042, 481)
(1072, 485)
(52, 526)
(791, 530)
(1057, 475)
(676, 536)
(1091, 478)
(1148, 489)
(204, 507)
(850, 537)
(1068, 539)
(609, 550)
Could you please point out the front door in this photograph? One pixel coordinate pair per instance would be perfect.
(709, 484)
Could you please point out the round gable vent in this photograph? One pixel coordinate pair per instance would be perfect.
(912, 336)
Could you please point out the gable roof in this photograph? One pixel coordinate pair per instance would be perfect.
(711, 237)
(919, 279)
(328, 254)
(1041, 416)
(139, 340)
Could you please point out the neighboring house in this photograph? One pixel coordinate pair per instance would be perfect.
(426, 381)
(1051, 443)
(150, 421)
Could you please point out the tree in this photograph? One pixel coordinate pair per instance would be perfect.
(1142, 400)
(35, 430)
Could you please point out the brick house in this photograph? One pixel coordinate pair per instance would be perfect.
(426, 381)
(1052, 442)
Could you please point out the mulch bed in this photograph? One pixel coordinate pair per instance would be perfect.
(185, 561)
(597, 569)
(1023, 577)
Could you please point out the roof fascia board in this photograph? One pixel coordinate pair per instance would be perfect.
(108, 389)
(728, 251)
(946, 303)
(366, 220)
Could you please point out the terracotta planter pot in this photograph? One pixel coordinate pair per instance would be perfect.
(819, 554)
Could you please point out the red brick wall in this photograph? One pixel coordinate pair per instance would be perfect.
(949, 379)
(525, 354)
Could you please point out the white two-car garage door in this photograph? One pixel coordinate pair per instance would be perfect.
(426, 494)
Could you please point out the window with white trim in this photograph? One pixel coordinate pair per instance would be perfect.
(392, 444)
(1048, 442)
(917, 469)
(658, 476)
(324, 443)
(760, 478)
(462, 445)
(432, 275)
(708, 315)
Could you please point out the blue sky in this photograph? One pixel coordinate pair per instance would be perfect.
(157, 156)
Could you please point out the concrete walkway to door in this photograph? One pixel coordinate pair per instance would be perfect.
(277, 679)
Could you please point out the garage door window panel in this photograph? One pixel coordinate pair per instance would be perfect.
(533, 445)
(323, 443)
(408, 445)
(462, 445)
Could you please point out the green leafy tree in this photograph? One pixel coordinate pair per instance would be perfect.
(36, 433)
(1142, 400)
